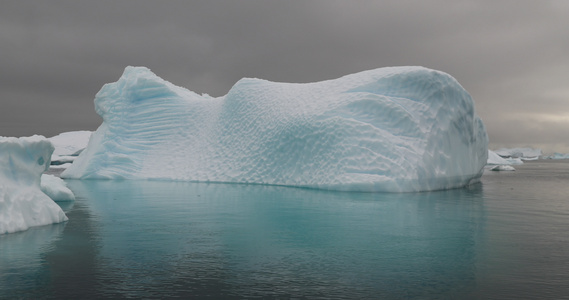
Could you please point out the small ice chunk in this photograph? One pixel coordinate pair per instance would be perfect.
(503, 168)
(56, 188)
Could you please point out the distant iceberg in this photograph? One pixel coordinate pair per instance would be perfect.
(398, 129)
(557, 156)
(22, 203)
(55, 188)
(498, 163)
(495, 159)
(522, 153)
(514, 161)
(503, 168)
(68, 146)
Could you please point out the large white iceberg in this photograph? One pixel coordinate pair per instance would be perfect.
(398, 129)
(22, 203)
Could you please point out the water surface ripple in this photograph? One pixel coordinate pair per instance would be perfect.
(503, 238)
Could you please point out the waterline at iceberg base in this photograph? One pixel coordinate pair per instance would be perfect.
(398, 129)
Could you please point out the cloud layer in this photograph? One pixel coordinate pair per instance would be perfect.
(510, 55)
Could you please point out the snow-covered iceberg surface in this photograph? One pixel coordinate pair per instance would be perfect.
(56, 188)
(22, 203)
(68, 146)
(498, 163)
(396, 129)
(495, 159)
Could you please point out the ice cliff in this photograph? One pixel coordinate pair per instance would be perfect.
(398, 129)
(22, 203)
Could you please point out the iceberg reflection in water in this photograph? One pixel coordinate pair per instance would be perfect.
(164, 239)
(21, 258)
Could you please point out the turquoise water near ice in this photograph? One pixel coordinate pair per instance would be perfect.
(506, 238)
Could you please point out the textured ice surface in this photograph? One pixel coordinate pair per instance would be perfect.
(22, 203)
(56, 188)
(396, 129)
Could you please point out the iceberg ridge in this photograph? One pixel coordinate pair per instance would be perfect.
(399, 129)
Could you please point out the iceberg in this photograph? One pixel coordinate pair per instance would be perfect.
(397, 129)
(22, 203)
(514, 161)
(557, 155)
(502, 168)
(68, 145)
(61, 167)
(55, 188)
(522, 153)
(495, 159)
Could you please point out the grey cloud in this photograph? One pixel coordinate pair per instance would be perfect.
(510, 55)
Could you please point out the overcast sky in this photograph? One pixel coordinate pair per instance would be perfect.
(511, 56)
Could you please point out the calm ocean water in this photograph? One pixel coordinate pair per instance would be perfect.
(506, 238)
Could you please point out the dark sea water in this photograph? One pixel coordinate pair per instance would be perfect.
(506, 238)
